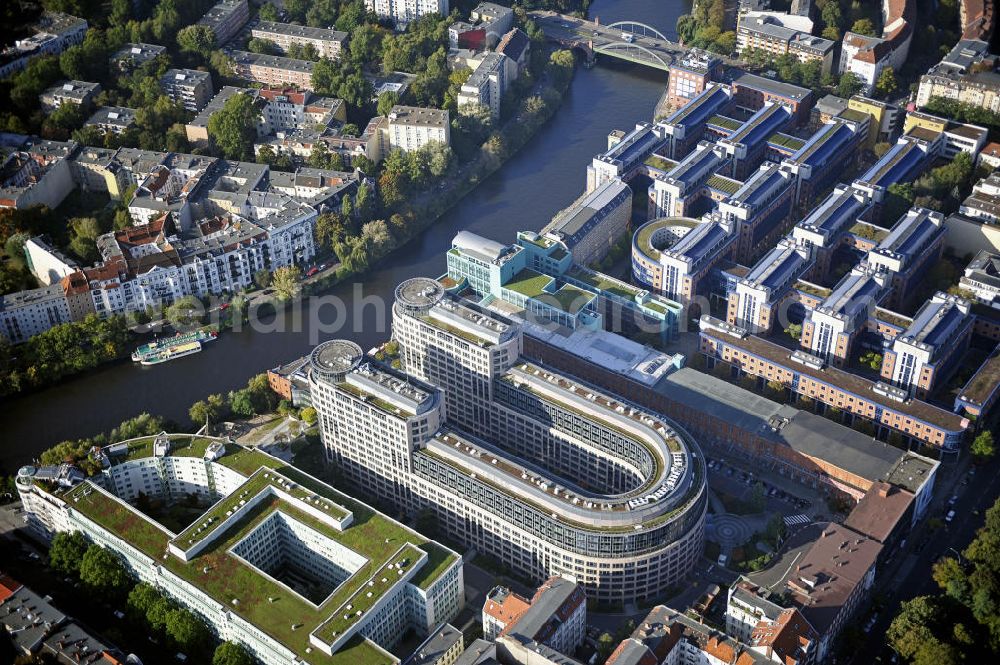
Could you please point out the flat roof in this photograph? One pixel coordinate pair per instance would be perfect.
(772, 86)
(371, 534)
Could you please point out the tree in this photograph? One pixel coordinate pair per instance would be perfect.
(142, 598)
(864, 26)
(849, 85)
(309, 415)
(67, 551)
(262, 278)
(268, 12)
(286, 282)
(386, 101)
(198, 39)
(794, 330)
(233, 653)
(982, 447)
(872, 360)
(265, 46)
(102, 571)
(241, 402)
(208, 410)
(605, 645)
(758, 497)
(185, 629)
(886, 84)
(233, 128)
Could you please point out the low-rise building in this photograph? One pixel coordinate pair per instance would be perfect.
(327, 42)
(983, 203)
(111, 119)
(225, 19)
(80, 93)
(191, 88)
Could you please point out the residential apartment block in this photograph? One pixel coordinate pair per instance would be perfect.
(80, 93)
(225, 19)
(35, 172)
(54, 32)
(402, 12)
(190, 88)
(345, 592)
(766, 33)
(111, 119)
(594, 223)
(132, 56)
(327, 42)
(967, 74)
(487, 84)
(411, 128)
(273, 70)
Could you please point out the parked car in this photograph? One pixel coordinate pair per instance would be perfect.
(312, 271)
(950, 516)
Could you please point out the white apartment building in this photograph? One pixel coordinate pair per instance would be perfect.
(411, 128)
(54, 33)
(27, 313)
(307, 527)
(327, 42)
(487, 84)
(404, 11)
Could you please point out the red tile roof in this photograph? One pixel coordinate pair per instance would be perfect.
(8, 587)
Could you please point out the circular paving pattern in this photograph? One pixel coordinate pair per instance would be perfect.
(729, 530)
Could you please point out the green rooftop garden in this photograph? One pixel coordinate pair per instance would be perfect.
(893, 318)
(785, 141)
(984, 381)
(661, 163)
(725, 122)
(655, 306)
(812, 289)
(868, 231)
(571, 299)
(602, 282)
(380, 580)
(375, 400)
(285, 616)
(528, 283)
(723, 184)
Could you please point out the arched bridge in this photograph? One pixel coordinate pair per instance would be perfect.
(626, 40)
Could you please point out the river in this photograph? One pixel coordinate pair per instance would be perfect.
(543, 178)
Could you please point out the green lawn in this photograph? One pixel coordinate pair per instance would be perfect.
(528, 283)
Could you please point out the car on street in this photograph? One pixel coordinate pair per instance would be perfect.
(950, 516)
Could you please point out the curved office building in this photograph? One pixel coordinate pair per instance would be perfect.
(545, 473)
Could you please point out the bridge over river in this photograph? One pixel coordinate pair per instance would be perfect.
(626, 40)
